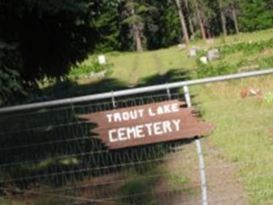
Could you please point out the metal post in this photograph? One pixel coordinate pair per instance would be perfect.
(168, 92)
(202, 171)
(133, 91)
(113, 100)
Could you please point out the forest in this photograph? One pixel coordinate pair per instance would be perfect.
(47, 37)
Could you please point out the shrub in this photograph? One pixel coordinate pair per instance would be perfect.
(208, 70)
(247, 48)
(88, 67)
(10, 80)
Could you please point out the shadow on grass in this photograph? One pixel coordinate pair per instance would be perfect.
(173, 75)
(71, 88)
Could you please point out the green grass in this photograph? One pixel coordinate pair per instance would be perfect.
(131, 67)
(244, 130)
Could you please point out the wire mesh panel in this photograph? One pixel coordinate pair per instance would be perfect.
(50, 156)
(51, 153)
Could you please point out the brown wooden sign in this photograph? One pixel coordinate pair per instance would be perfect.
(147, 124)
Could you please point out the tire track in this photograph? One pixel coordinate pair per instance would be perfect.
(158, 63)
(133, 77)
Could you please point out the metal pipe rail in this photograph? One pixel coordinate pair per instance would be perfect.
(134, 91)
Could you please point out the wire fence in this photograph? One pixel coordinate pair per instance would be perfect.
(49, 153)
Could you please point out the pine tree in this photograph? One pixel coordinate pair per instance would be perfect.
(134, 19)
(182, 21)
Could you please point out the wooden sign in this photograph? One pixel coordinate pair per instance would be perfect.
(147, 124)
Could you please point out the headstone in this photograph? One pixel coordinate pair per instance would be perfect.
(204, 60)
(213, 54)
(193, 52)
(182, 46)
(102, 59)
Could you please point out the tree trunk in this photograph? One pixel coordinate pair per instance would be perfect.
(200, 20)
(137, 34)
(191, 27)
(183, 22)
(137, 37)
(235, 19)
(223, 18)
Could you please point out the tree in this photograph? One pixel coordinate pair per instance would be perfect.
(255, 15)
(169, 24)
(223, 17)
(200, 19)
(134, 12)
(190, 16)
(234, 7)
(183, 22)
(50, 35)
(107, 24)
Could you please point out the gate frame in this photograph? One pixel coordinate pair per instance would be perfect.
(128, 92)
(134, 91)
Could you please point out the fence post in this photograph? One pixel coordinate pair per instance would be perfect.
(168, 91)
(113, 100)
(204, 195)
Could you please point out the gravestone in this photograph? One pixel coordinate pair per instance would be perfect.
(102, 59)
(204, 59)
(193, 52)
(182, 46)
(213, 54)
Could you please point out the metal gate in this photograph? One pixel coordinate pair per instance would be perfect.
(49, 156)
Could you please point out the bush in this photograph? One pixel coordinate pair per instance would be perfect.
(10, 80)
(247, 48)
(88, 67)
(266, 62)
(208, 70)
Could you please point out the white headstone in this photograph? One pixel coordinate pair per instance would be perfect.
(192, 52)
(213, 54)
(204, 60)
(102, 59)
(182, 46)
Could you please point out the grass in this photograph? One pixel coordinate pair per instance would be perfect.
(130, 67)
(133, 69)
(244, 131)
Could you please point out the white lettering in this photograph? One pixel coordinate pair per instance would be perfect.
(122, 134)
(176, 124)
(151, 113)
(149, 128)
(125, 116)
(139, 131)
(158, 128)
(109, 117)
(117, 117)
(145, 130)
(131, 132)
(166, 109)
(167, 126)
(175, 107)
(111, 137)
(140, 111)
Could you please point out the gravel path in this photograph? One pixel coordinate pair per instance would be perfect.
(222, 178)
